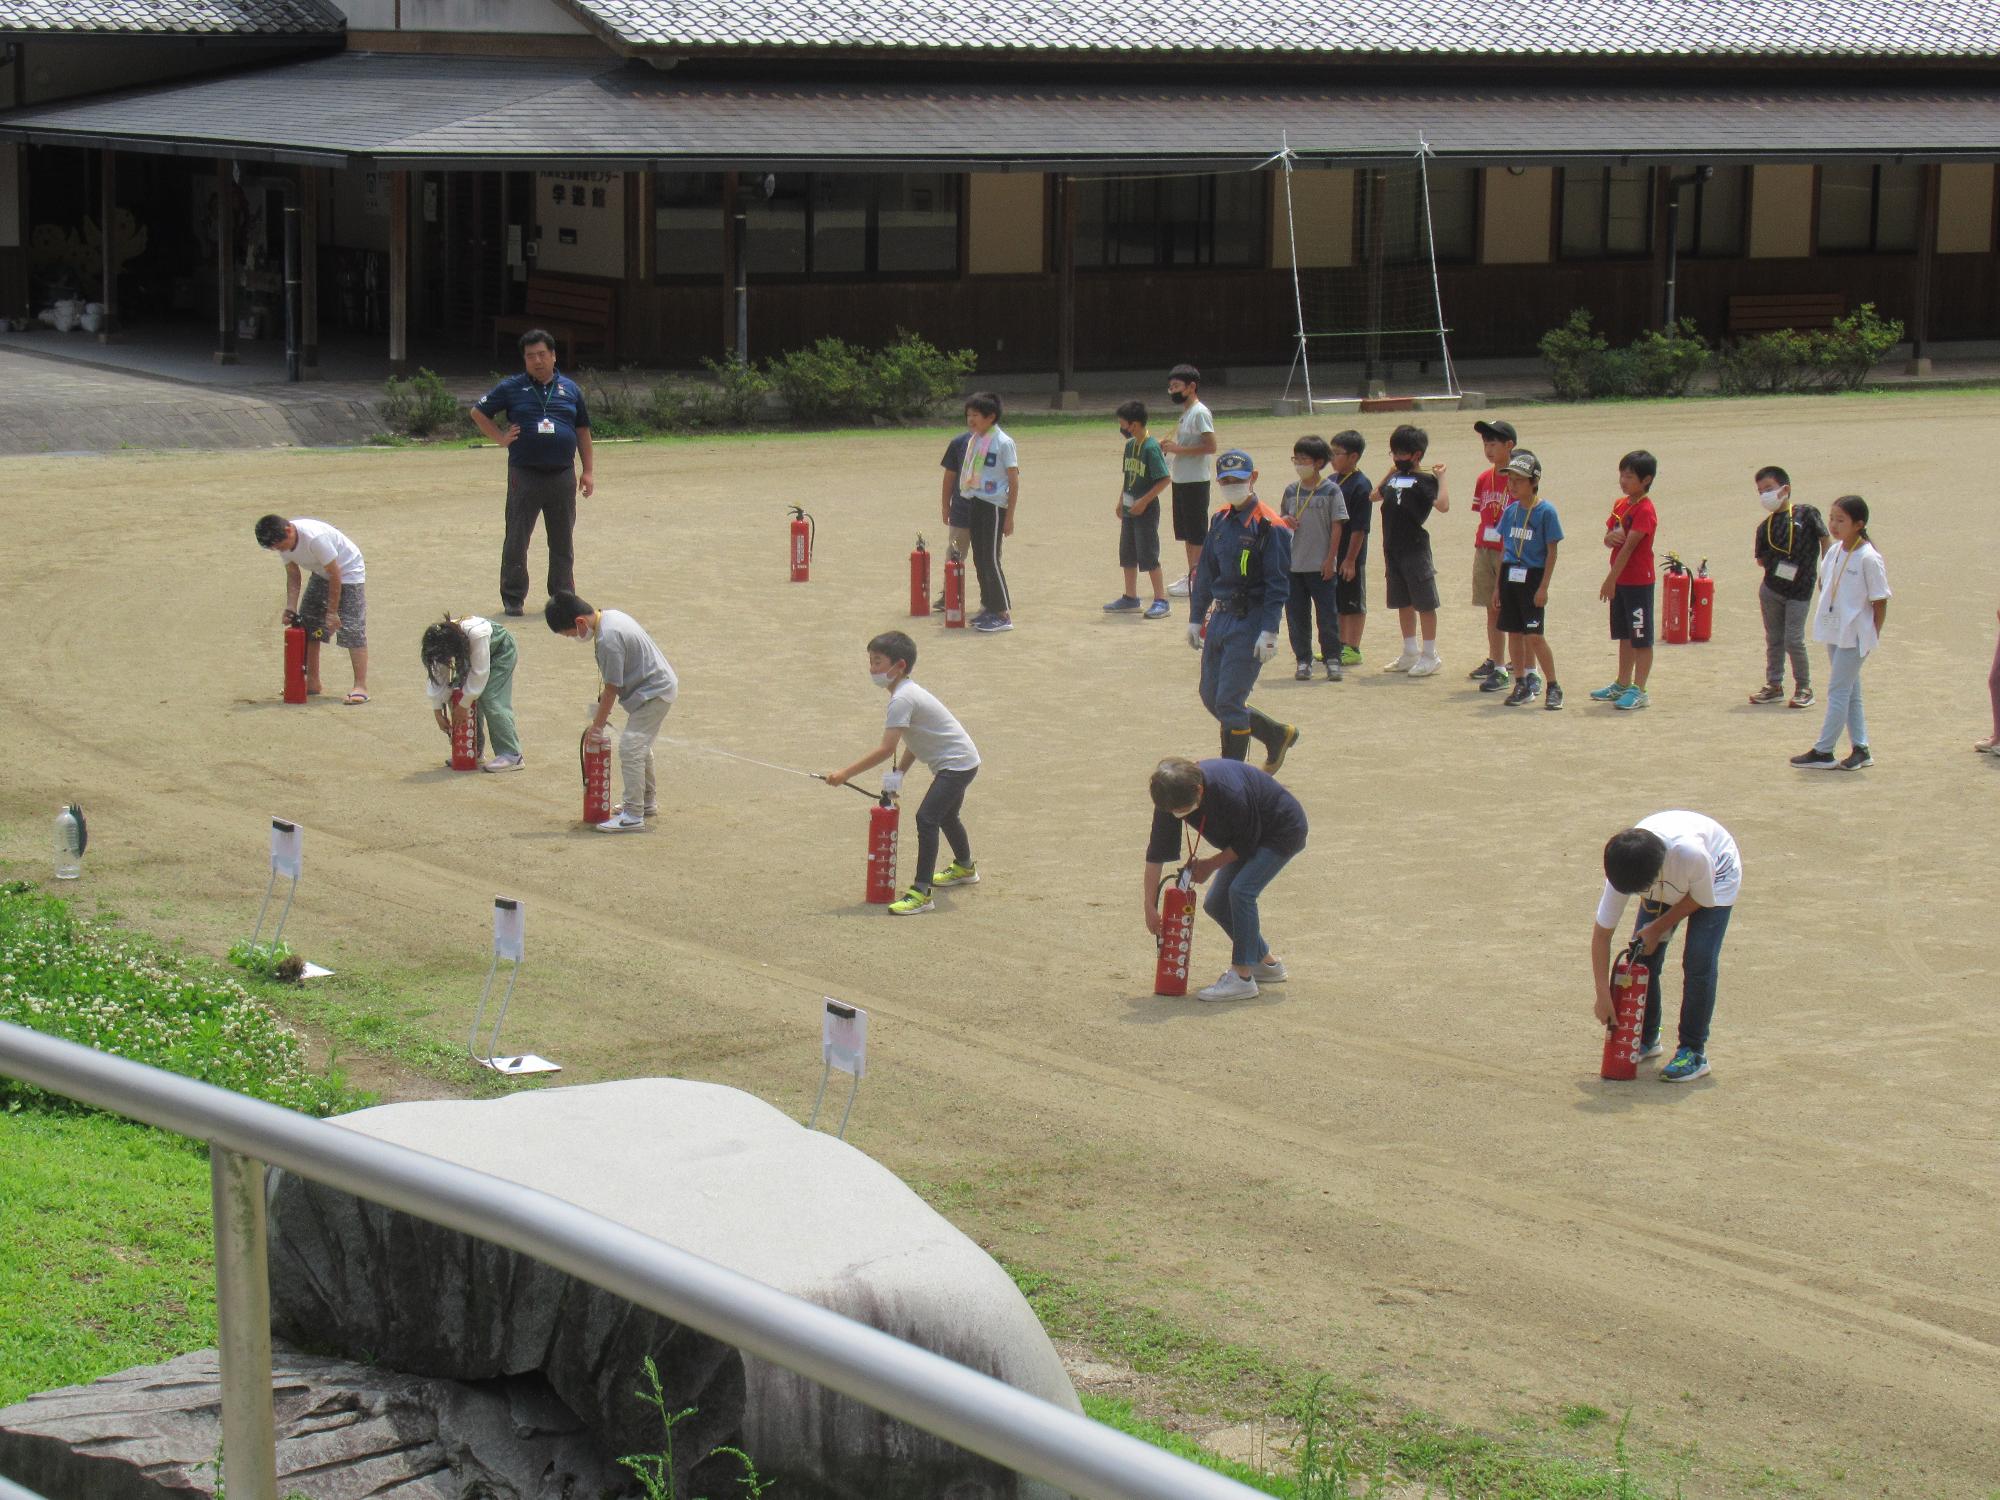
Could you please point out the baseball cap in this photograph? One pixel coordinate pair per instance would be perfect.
(1233, 467)
(1499, 431)
(1524, 464)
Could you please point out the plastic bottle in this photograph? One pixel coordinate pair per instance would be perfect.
(70, 841)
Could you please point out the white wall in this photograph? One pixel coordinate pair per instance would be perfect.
(598, 234)
(498, 17)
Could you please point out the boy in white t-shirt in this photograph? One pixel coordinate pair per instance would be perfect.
(1683, 867)
(1190, 465)
(925, 730)
(335, 602)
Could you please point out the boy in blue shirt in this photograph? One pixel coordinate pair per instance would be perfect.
(1529, 532)
(1139, 515)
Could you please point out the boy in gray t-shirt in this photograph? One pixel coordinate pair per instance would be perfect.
(1317, 511)
(635, 674)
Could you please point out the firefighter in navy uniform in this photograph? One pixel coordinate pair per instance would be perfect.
(1245, 574)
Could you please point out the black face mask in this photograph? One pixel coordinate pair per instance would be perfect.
(1179, 398)
(1405, 465)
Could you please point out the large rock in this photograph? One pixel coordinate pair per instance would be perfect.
(715, 1172)
(345, 1432)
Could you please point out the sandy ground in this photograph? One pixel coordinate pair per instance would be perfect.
(1402, 1164)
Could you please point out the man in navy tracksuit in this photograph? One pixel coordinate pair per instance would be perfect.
(1245, 572)
(547, 431)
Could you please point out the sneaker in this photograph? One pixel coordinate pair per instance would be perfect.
(993, 624)
(624, 822)
(1483, 671)
(977, 620)
(1402, 663)
(956, 874)
(1270, 971)
(1179, 587)
(1770, 692)
(1803, 698)
(1650, 1049)
(1159, 609)
(939, 606)
(1523, 691)
(652, 812)
(1124, 604)
(1858, 759)
(912, 903)
(1350, 656)
(503, 763)
(1815, 760)
(1610, 693)
(1276, 758)
(1687, 1064)
(1498, 680)
(1633, 697)
(1333, 672)
(1426, 666)
(1303, 672)
(1554, 699)
(1231, 986)
(1534, 682)
(513, 611)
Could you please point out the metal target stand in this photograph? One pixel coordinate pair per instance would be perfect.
(843, 1044)
(286, 839)
(508, 943)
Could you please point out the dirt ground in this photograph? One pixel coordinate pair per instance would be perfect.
(1401, 1164)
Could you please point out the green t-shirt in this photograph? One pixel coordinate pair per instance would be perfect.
(1145, 465)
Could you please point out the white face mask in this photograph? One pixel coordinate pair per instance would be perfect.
(882, 679)
(441, 673)
(1773, 498)
(587, 632)
(1306, 472)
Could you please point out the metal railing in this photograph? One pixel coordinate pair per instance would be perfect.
(245, 1136)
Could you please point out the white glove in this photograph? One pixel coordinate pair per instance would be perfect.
(892, 781)
(1194, 634)
(1267, 645)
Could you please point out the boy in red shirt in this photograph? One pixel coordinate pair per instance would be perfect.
(1628, 586)
(1489, 499)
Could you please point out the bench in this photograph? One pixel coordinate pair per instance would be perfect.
(581, 314)
(1762, 314)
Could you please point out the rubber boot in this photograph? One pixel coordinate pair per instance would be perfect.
(1235, 743)
(1268, 731)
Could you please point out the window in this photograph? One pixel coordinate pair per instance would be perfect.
(1712, 213)
(687, 224)
(1454, 214)
(822, 224)
(1171, 220)
(1863, 208)
(1606, 211)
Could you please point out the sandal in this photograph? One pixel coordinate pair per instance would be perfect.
(1988, 747)
(356, 698)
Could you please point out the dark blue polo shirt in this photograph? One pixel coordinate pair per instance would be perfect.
(519, 400)
(1242, 808)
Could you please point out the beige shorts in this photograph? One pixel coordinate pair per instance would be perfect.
(1485, 575)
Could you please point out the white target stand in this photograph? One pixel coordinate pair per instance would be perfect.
(509, 942)
(843, 1044)
(288, 859)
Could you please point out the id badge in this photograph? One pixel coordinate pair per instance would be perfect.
(1517, 575)
(1786, 570)
(546, 427)
(1493, 533)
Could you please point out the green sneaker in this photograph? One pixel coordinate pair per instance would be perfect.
(1350, 656)
(1609, 694)
(912, 903)
(1687, 1064)
(957, 874)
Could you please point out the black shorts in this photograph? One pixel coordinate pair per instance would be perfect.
(1350, 595)
(1519, 614)
(1191, 512)
(1412, 581)
(1632, 614)
(1139, 539)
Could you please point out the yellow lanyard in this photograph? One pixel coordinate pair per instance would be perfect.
(1833, 584)
(1771, 535)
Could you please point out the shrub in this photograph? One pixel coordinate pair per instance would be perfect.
(419, 406)
(733, 396)
(911, 378)
(1578, 358)
(1831, 359)
(835, 381)
(620, 403)
(1667, 363)
(827, 382)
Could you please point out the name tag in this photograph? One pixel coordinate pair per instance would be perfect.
(546, 427)
(1786, 570)
(1517, 575)
(1493, 533)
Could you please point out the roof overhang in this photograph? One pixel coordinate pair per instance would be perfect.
(418, 112)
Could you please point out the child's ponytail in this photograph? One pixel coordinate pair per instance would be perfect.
(1856, 511)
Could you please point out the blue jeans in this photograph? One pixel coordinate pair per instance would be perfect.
(1229, 668)
(1843, 699)
(1232, 901)
(1699, 964)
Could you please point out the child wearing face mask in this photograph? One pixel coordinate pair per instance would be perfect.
(1139, 515)
(636, 674)
(924, 729)
(1408, 495)
(1316, 510)
(1790, 541)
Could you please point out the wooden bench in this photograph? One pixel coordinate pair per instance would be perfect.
(1762, 314)
(581, 315)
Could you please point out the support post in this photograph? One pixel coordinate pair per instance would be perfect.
(309, 272)
(732, 234)
(1066, 393)
(293, 312)
(399, 273)
(1372, 377)
(740, 218)
(107, 213)
(243, 1326)
(225, 262)
(1920, 310)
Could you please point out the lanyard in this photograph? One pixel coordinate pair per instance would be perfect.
(555, 386)
(1194, 839)
(975, 458)
(1833, 583)
(1791, 531)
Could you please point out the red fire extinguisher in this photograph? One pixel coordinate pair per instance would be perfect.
(295, 662)
(1674, 601)
(1701, 607)
(804, 533)
(1170, 974)
(920, 580)
(1629, 978)
(954, 590)
(595, 754)
(883, 819)
(465, 737)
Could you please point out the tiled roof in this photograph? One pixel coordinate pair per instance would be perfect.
(174, 17)
(1690, 29)
(405, 110)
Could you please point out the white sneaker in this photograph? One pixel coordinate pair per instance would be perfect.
(1425, 666)
(1270, 971)
(1231, 986)
(1179, 588)
(623, 823)
(1402, 663)
(502, 763)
